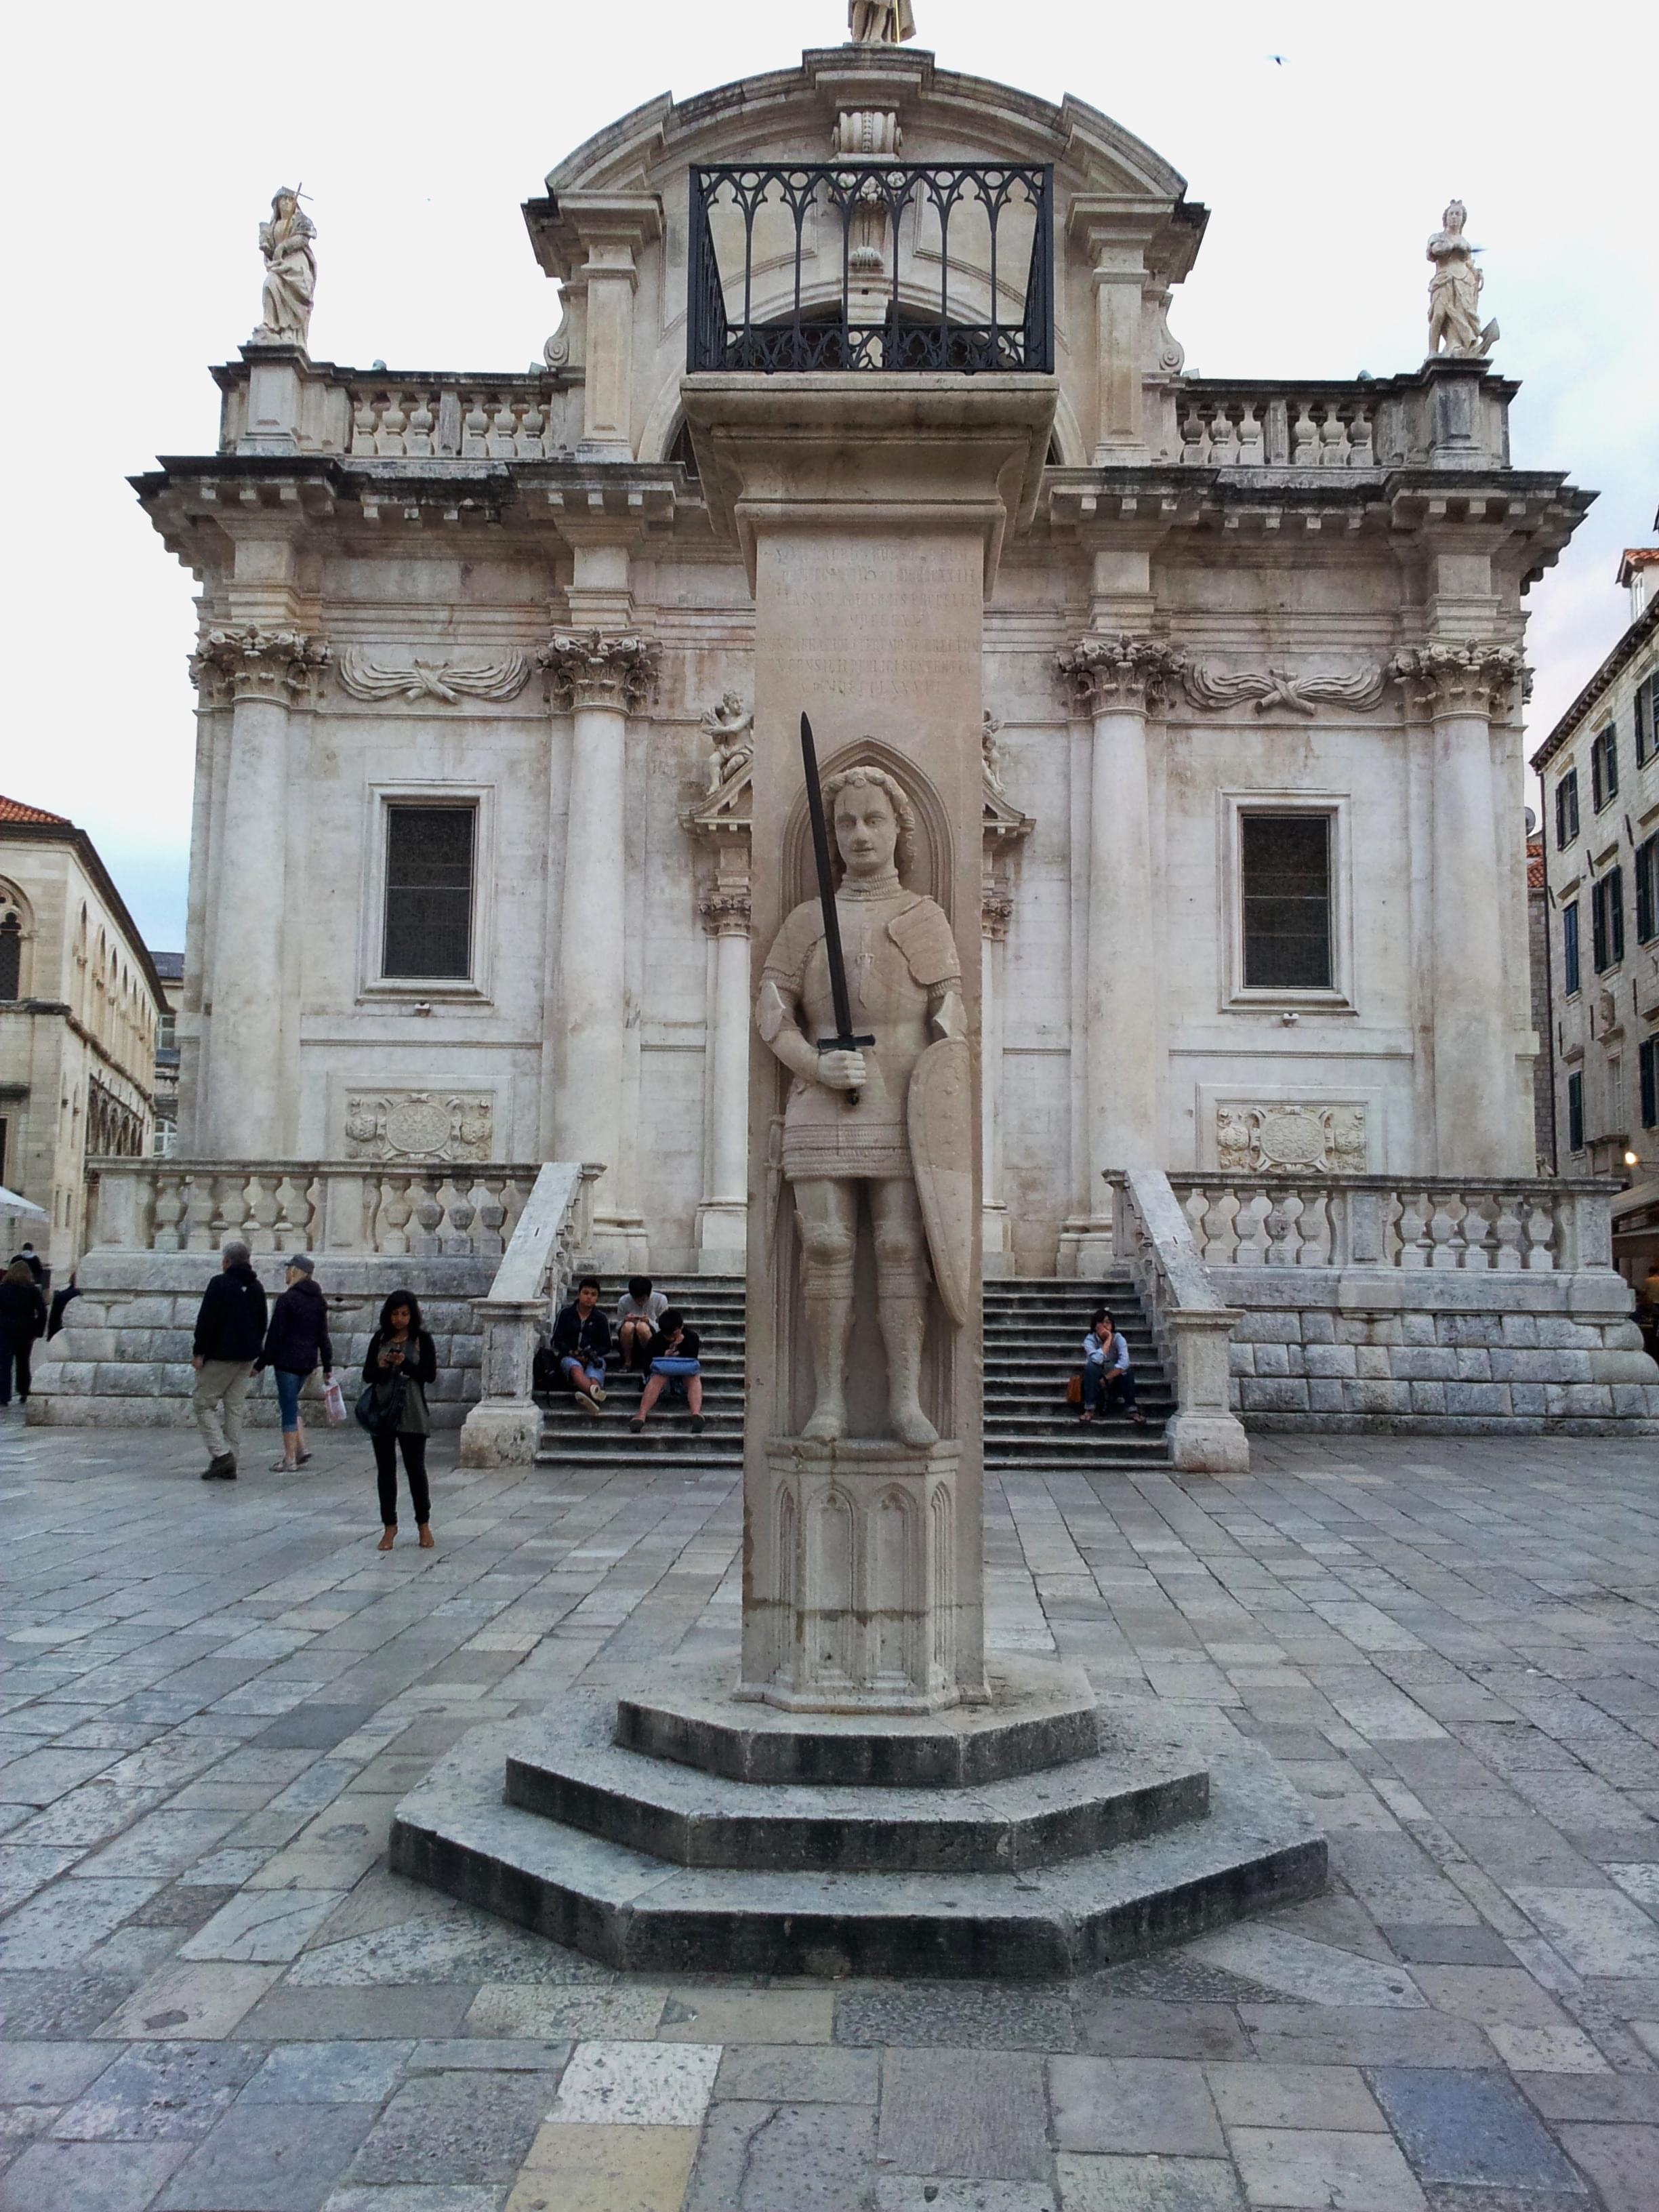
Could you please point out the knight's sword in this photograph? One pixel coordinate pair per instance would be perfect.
(844, 1040)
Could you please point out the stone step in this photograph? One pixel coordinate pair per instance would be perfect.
(1255, 1848)
(568, 1769)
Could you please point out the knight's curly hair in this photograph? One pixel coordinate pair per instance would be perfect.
(904, 812)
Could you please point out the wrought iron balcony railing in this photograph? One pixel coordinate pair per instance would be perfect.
(872, 265)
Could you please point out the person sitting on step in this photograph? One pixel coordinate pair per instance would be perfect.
(1107, 1373)
(639, 1315)
(676, 1371)
(581, 1341)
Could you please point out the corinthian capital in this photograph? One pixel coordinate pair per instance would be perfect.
(1475, 678)
(585, 668)
(259, 663)
(1101, 672)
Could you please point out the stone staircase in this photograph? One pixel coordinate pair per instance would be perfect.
(1034, 1328)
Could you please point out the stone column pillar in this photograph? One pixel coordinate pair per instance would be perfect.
(997, 1230)
(601, 679)
(1118, 680)
(722, 1217)
(588, 241)
(242, 1114)
(1459, 687)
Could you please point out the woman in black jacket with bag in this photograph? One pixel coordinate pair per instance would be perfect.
(402, 1361)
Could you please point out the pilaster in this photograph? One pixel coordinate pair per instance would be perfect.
(590, 243)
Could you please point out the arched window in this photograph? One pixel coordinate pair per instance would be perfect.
(11, 956)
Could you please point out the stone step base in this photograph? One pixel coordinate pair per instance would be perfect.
(1255, 1848)
(568, 1769)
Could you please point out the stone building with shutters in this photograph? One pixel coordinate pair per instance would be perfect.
(1600, 772)
(476, 670)
(80, 1001)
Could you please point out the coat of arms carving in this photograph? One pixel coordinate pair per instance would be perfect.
(1274, 1134)
(418, 1125)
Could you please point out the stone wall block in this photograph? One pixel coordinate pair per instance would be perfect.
(1477, 1398)
(1573, 1336)
(1327, 1397)
(1474, 1365)
(1282, 1327)
(1332, 1360)
(1543, 1366)
(115, 1378)
(1241, 1358)
(1530, 1399)
(1415, 1363)
(1359, 1329)
(93, 1344)
(1520, 1330)
(1367, 1396)
(1620, 1367)
(1235, 1393)
(1318, 1328)
(1428, 1397)
(1295, 1360)
(1271, 1359)
(1276, 1394)
(1587, 1398)
(1636, 1399)
(1374, 1363)
(1417, 1328)
(1472, 1329)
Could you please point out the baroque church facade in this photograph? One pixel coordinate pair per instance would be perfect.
(474, 687)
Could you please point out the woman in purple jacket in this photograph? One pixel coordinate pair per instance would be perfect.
(296, 1340)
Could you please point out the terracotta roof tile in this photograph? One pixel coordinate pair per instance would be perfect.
(13, 810)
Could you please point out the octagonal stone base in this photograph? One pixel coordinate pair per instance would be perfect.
(1043, 1835)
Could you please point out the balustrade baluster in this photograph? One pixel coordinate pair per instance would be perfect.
(263, 1210)
(1304, 436)
(1539, 1235)
(1249, 438)
(1361, 453)
(166, 1235)
(392, 1217)
(364, 421)
(422, 423)
(1223, 445)
(475, 432)
(424, 1238)
(233, 1209)
(1415, 1243)
(533, 446)
(1446, 1231)
(1333, 440)
(1193, 439)
(390, 438)
(504, 432)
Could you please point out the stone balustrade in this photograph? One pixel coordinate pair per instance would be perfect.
(1227, 425)
(506, 419)
(463, 1211)
(1534, 1226)
(1189, 1320)
(504, 1427)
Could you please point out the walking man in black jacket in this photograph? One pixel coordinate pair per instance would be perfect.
(230, 1328)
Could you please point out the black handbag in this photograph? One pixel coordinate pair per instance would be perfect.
(382, 1416)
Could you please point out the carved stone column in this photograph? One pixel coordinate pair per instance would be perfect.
(996, 1231)
(722, 1216)
(589, 240)
(1459, 688)
(602, 679)
(1118, 680)
(243, 1108)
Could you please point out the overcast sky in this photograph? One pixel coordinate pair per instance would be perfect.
(143, 146)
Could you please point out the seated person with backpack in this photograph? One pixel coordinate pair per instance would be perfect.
(1107, 1373)
(676, 1371)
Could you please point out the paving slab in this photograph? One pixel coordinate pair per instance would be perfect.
(1133, 2104)
(1146, 2185)
(974, 2113)
(1472, 2129)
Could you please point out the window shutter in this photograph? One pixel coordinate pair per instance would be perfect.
(1644, 860)
(1647, 1062)
(1615, 883)
(1570, 978)
(1598, 926)
(1574, 1112)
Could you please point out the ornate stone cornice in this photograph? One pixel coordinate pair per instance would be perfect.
(726, 913)
(585, 668)
(259, 663)
(1102, 672)
(1478, 677)
(996, 911)
(1276, 687)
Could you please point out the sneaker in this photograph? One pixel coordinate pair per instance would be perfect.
(221, 1468)
(696, 1424)
(596, 1393)
(637, 1423)
(586, 1400)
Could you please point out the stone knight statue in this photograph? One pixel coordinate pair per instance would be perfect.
(879, 22)
(1455, 292)
(895, 1120)
(291, 269)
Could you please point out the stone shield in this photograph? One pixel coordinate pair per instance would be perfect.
(941, 1114)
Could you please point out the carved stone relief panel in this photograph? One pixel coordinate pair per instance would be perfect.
(418, 1125)
(1276, 1134)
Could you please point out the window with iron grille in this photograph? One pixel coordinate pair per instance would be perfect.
(1647, 1061)
(1576, 1113)
(1566, 809)
(428, 891)
(1608, 920)
(1647, 889)
(1604, 766)
(1647, 718)
(11, 956)
(1285, 866)
(1570, 948)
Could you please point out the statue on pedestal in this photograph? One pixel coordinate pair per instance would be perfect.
(879, 22)
(730, 728)
(1455, 293)
(290, 271)
(894, 1119)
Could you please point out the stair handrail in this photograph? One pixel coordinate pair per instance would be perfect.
(1191, 1322)
(504, 1428)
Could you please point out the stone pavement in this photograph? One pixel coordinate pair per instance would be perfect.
(216, 2000)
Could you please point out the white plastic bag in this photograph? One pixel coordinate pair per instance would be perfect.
(334, 1404)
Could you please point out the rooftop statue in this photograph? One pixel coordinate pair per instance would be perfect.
(1455, 293)
(290, 271)
(879, 22)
